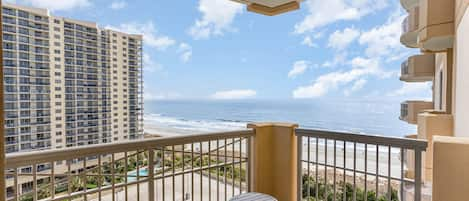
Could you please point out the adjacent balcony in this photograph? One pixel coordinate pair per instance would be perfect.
(436, 30)
(409, 4)
(411, 109)
(271, 8)
(418, 68)
(431, 124)
(273, 158)
(410, 27)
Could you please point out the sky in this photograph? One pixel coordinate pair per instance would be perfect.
(215, 49)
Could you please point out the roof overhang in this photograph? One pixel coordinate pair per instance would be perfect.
(270, 7)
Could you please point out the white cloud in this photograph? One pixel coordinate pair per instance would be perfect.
(186, 52)
(149, 65)
(341, 39)
(151, 36)
(361, 68)
(217, 17)
(308, 42)
(299, 67)
(56, 5)
(359, 84)
(234, 94)
(413, 89)
(321, 13)
(384, 40)
(338, 59)
(117, 5)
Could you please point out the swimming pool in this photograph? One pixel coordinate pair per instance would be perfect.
(132, 176)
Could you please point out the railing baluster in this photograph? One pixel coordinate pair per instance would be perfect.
(163, 185)
(201, 164)
(52, 180)
(99, 177)
(308, 167)
(69, 177)
(402, 175)
(354, 171)
(345, 171)
(240, 164)
(151, 175)
(183, 170)
(389, 174)
(377, 172)
(249, 164)
(335, 165)
(126, 193)
(173, 167)
(300, 168)
(418, 175)
(192, 172)
(366, 171)
(224, 170)
(317, 169)
(218, 169)
(209, 171)
(137, 163)
(232, 167)
(325, 169)
(113, 177)
(85, 179)
(34, 182)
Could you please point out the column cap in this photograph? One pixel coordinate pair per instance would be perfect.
(272, 124)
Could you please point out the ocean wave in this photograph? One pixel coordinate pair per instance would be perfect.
(161, 123)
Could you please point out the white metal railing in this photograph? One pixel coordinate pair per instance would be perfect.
(345, 166)
(212, 166)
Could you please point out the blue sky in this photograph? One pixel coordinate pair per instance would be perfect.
(215, 49)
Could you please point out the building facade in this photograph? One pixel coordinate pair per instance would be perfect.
(440, 30)
(68, 82)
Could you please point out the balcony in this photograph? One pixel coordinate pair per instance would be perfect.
(270, 8)
(436, 30)
(276, 159)
(411, 109)
(418, 68)
(410, 27)
(431, 124)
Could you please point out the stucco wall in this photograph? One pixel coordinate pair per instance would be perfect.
(462, 82)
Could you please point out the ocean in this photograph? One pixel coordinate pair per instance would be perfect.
(199, 116)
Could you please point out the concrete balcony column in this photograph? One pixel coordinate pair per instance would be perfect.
(450, 164)
(432, 123)
(275, 160)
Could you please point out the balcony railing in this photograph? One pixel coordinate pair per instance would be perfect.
(218, 166)
(196, 167)
(344, 166)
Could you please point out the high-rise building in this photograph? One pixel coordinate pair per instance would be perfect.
(68, 82)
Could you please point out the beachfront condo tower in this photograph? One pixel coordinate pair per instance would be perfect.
(68, 82)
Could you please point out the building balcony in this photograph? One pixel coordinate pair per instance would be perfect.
(271, 8)
(436, 25)
(431, 124)
(272, 158)
(410, 28)
(418, 68)
(409, 4)
(411, 109)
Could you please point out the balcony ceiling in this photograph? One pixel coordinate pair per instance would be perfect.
(270, 7)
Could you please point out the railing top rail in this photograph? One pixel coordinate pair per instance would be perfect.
(27, 158)
(407, 143)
